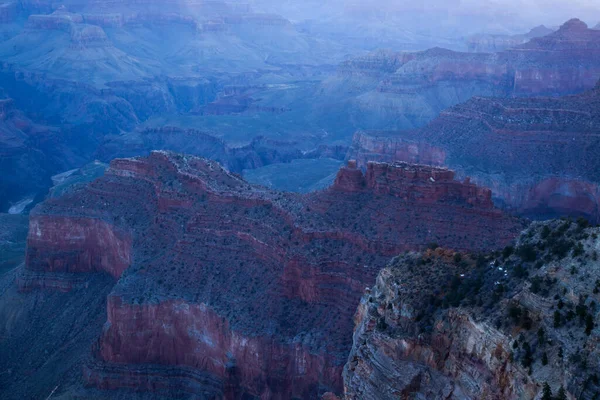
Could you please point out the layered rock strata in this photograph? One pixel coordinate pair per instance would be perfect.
(537, 155)
(222, 282)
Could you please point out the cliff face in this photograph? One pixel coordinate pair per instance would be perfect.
(466, 327)
(230, 287)
(535, 154)
(91, 246)
(562, 62)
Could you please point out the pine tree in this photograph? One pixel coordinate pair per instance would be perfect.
(528, 357)
(562, 394)
(557, 319)
(546, 392)
(544, 359)
(541, 335)
(589, 324)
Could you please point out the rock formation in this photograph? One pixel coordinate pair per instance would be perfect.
(447, 325)
(227, 288)
(537, 155)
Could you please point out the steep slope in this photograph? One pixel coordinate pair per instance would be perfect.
(489, 326)
(222, 287)
(13, 233)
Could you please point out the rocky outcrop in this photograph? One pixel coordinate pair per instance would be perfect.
(85, 36)
(562, 62)
(420, 183)
(202, 239)
(466, 327)
(375, 65)
(535, 154)
(459, 359)
(390, 146)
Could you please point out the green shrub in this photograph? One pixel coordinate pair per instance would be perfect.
(527, 253)
(507, 252)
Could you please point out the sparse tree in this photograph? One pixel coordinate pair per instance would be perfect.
(541, 335)
(557, 319)
(589, 324)
(562, 394)
(546, 392)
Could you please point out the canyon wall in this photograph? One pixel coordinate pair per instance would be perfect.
(234, 289)
(537, 155)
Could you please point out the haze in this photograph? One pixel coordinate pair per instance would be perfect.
(466, 16)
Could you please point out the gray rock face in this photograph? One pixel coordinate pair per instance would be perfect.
(439, 325)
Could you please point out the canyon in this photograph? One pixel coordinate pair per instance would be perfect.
(197, 195)
(225, 289)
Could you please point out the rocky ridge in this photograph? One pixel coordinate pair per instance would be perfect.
(202, 234)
